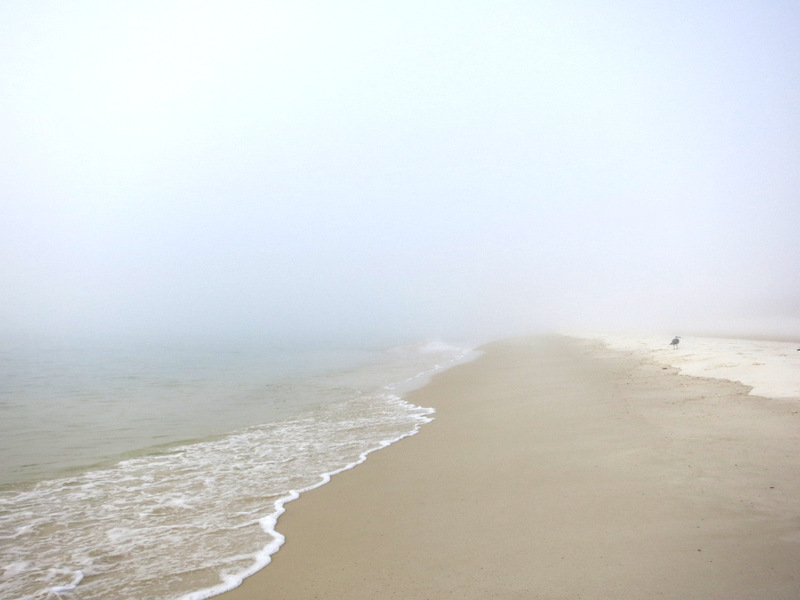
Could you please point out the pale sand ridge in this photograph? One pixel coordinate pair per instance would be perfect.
(770, 367)
(555, 469)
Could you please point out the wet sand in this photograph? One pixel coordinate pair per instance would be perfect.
(556, 468)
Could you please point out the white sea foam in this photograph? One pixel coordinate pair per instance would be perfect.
(771, 368)
(269, 523)
(194, 520)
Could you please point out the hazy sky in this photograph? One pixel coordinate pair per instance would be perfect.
(407, 168)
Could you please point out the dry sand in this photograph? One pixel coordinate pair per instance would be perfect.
(559, 469)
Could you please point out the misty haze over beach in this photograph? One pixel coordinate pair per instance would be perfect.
(323, 170)
(240, 241)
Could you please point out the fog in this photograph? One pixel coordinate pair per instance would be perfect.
(348, 169)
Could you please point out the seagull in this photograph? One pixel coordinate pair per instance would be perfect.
(675, 341)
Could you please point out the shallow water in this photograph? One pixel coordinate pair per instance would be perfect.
(118, 503)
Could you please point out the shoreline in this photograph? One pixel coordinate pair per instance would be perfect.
(556, 467)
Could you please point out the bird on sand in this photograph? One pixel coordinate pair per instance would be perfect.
(675, 341)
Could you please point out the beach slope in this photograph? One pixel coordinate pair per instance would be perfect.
(557, 468)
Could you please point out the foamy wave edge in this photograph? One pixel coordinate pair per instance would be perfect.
(270, 522)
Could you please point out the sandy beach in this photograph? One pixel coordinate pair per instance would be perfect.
(557, 468)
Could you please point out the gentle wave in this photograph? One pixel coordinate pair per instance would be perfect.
(269, 523)
(192, 521)
(188, 509)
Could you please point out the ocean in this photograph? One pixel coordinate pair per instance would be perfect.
(159, 470)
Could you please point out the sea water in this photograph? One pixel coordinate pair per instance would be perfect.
(158, 471)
